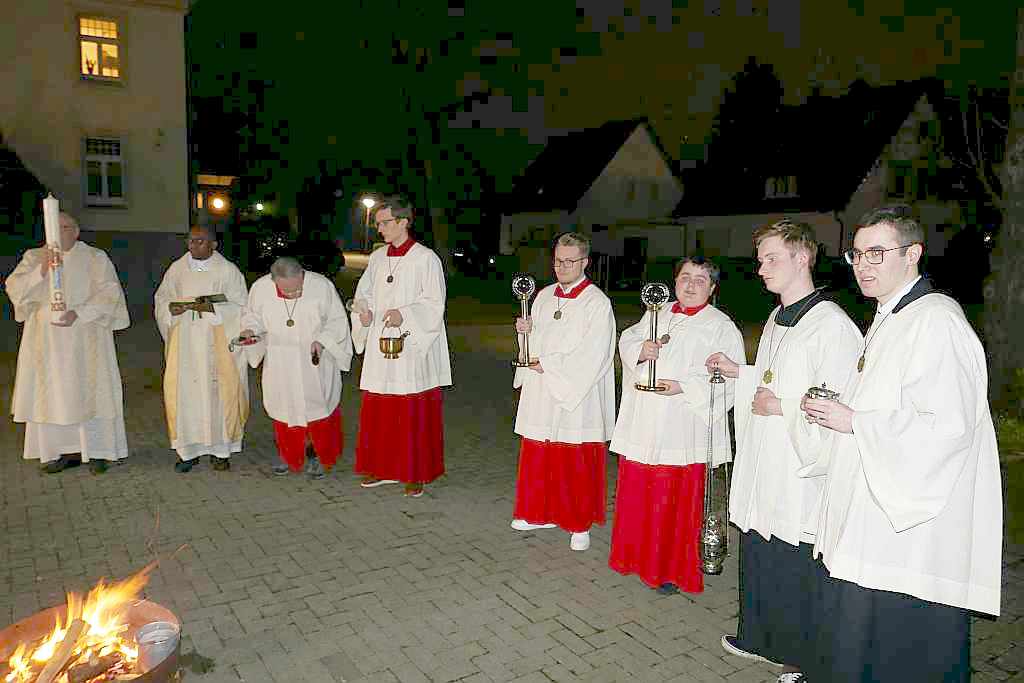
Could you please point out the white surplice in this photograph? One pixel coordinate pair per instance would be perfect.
(912, 501)
(573, 400)
(654, 429)
(295, 391)
(418, 292)
(206, 386)
(767, 494)
(68, 387)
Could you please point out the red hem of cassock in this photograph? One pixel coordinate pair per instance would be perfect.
(658, 510)
(561, 483)
(401, 436)
(325, 434)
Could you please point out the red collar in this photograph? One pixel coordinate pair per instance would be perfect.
(402, 250)
(280, 294)
(575, 292)
(689, 310)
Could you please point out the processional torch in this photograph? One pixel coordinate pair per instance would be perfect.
(523, 287)
(714, 529)
(654, 295)
(51, 222)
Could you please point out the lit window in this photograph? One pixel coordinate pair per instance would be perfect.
(100, 47)
(104, 172)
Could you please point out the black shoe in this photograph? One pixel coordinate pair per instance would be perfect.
(221, 464)
(183, 466)
(97, 466)
(315, 470)
(62, 463)
(667, 589)
(280, 469)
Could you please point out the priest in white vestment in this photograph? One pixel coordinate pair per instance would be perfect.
(566, 408)
(198, 308)
(402, 294)
(68, 388)
(662, 437)
(807, 342)
(304, 345)
(911, 517)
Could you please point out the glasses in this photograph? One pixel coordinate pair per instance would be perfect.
(568, 263)
(196, 240)
(386, 221)
(874, 256)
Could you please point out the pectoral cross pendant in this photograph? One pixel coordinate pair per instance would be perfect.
(860, 363)
(558, 315)
(768, 376)
(290, 322)
(665, 338)
(391, 278)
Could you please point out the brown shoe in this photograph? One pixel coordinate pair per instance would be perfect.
(414, 490)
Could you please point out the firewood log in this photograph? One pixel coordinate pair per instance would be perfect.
(63, 652)
(80, 673)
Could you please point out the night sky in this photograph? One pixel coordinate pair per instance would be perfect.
(349, 81)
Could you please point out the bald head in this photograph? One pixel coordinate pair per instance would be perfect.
(201, 242)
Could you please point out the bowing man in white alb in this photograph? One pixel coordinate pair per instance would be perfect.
(566, 401)
(808, 341)
(401, 294)
(198, 309)
(304, 347)
(662, 437)
(911, 518)
(68, 388)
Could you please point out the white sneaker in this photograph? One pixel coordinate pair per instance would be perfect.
(580, 541)
(791, 677)
(371, 483)
(523, 525)
(729, 645)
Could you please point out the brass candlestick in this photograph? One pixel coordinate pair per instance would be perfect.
(523, 287)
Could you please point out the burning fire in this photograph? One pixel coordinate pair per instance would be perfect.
(103, 612)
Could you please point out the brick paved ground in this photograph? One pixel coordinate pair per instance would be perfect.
(284, 579)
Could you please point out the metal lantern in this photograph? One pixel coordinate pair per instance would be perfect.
(523, 287)
(714, 528)
(654, 295)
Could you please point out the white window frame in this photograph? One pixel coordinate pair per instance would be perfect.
(104, 198)
(100, 42)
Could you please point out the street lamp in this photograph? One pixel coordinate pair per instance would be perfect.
(259, 206)
(368, 203)
(218, 203)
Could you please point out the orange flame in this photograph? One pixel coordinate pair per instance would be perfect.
(104, 610)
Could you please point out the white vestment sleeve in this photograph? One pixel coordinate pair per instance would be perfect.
(571, 375)
(334, 334)
(364, 292)
(424, 318)
(105, 306)
(165, 294)
(26, 288)
(832, 350)
(252, 320)
(229, 313)
(913, 455)
(696, 385)
(631, 341)
(746, 385)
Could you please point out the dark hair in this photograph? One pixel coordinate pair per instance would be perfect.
(794, 234)
(714, 272)
(400, 207)
(210, 233)
(900, 218)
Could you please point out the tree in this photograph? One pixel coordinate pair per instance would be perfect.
(1004, 293)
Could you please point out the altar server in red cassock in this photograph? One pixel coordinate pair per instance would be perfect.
(305, 338)
(567, 401)
(663, 436)
(401, 294)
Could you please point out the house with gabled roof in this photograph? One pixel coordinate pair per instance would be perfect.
(605, 182)
(837, 159)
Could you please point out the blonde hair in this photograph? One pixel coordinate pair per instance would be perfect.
(574, 239)
(794, 234)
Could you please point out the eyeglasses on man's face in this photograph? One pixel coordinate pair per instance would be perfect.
(568, 262)
(385, 221)
(874, 256)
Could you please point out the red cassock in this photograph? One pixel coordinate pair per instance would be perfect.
(325, 435)
(401, 436)
(561, 483)
(658, 511)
